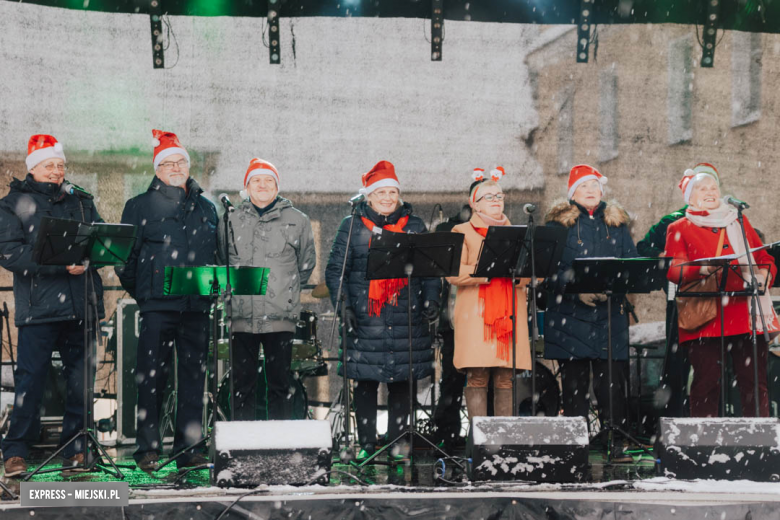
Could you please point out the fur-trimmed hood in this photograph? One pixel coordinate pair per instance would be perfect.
(567, 212)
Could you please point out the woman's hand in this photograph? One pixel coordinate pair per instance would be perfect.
(351, 319)
(761, 278)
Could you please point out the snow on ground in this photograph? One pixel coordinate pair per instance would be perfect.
(654, 489)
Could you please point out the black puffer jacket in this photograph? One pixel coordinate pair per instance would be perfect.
(572, 329)
(379, 350)
(43, 293)
(175, 228)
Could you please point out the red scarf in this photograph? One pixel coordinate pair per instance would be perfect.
(496, 301)
(381, 292)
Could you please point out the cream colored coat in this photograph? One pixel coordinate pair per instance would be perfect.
(471, 348)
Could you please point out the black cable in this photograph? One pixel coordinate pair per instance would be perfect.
(340, 472)
(189, 470)
(425, 34)
(230, 506)
(433, 212)
(167, 20)
(262, 35)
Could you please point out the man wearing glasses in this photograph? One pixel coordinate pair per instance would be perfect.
(49, 302)
(177, 226)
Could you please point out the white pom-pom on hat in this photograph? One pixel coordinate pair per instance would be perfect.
(155, 142)
(57, 147)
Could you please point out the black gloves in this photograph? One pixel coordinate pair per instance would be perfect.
(351, 319)
(431, 310)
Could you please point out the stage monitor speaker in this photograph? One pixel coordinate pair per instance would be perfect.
(720, 448)
(536, 449)
(251, 453)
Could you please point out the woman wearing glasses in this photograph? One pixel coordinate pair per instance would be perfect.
(575, 327)
(483, 309)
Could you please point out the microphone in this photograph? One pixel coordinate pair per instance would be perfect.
(69, 188)
(356, 199)
(529, 208)
(225, 200)
(740, 205)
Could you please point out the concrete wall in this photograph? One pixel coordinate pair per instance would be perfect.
(656, 84)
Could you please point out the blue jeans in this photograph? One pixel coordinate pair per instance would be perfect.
(160, 331)
(36, 344)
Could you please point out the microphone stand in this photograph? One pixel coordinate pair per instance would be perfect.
(346, 454)
(534, 324)
(754, 309)
(227, 298)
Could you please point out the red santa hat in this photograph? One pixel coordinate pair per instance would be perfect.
(42, 147)
(694, 175)
(260, 167)
(584, 173)
(167, 144)
(382, 175)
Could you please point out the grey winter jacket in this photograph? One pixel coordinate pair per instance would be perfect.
(281, 240)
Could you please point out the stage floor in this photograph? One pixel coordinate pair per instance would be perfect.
(624, 490)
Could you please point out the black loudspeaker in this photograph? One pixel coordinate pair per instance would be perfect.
(251, 453)
(537, 449)
(718, 448)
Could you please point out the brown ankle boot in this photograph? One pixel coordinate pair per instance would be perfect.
(476, 401)
(502, 402)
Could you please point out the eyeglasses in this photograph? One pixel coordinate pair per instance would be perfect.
(51, 167)
(169, 165)
(490, 198)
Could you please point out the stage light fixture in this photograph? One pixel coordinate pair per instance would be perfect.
(437, 29)
(710, 33)
(155, 18)
(583, 30)
(274, 49)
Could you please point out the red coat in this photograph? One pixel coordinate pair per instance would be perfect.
(685, 241)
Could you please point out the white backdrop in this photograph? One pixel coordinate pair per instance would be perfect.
(354, 92)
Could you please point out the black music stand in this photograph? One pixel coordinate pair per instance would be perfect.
(213, 281)
(621, 276)
(724, 267)
(64, 242)
(512, 252)
(401, 255)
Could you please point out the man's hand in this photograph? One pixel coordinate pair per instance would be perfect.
(75, 270)
(590, 299)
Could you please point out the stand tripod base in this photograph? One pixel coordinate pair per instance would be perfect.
(5, 489)
(611, 442)
(204, 440)
(409, 433)
(96, 464)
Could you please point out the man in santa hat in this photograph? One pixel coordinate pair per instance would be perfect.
(267, 231)
(49, 302)
(177, 226)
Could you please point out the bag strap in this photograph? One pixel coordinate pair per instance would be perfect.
(721, 238)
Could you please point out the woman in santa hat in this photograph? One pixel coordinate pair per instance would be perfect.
(576, 325)
(376, 310)
(710, 228)
(482, 318)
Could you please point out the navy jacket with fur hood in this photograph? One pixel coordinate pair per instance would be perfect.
(572, 329)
